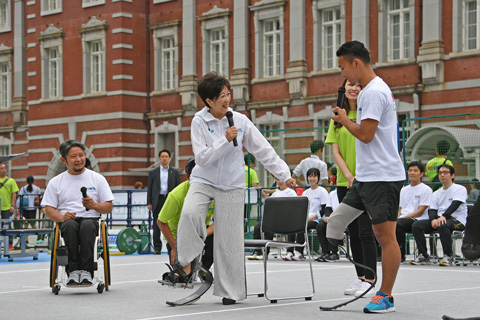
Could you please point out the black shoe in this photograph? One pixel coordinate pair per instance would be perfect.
(332, 257)
(322, 257)
(227, 301)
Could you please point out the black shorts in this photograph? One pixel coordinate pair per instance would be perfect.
(379, 199)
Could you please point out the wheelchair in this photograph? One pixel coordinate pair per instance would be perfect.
(59, 267)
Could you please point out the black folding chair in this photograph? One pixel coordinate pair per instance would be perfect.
(283, 215)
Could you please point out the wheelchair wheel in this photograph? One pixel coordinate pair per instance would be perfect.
(105, 256)
(53, 260)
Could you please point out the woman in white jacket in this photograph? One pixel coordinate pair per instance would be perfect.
(219, 175)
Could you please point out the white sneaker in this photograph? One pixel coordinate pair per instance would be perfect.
(353, 287)
(85, 278)
(364, 287)
(446, 261)
(288, 257)
(298, 256)
(74, 278)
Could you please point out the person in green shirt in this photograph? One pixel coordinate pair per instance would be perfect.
(8, 195)
(443, 147)
(169, 217)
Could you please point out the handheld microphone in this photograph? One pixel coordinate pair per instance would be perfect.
(229, 116)
(340, 99)
(84, 193)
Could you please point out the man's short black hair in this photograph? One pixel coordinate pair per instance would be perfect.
(164, 150)
(69, 144)
(189, 166)
(316, 145)
(417, 164)
(248, 156)
(443, 147)
(354, 50)
(210, 86)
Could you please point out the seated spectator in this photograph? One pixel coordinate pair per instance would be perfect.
(169, 217)
(414, 201)
(283, 191)
(316, 147)
(448, 212)
(475, 191)
(138, 185)
(318, 198)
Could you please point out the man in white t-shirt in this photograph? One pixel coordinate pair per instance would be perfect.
(379, 173)
(314, 161)
(77, 215)
(448, 212)
(414, 201)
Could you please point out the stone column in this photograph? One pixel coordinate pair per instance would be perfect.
(296, 74)
(19, 102)
(188, 82)
(431, 53)
(240, 73)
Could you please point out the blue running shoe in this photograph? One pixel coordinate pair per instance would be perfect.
(381, 303)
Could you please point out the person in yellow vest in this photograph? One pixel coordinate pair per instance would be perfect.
(8, 194)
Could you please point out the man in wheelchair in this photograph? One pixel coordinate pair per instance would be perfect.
(75, 199)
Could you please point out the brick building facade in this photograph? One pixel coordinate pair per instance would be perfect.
(120, 75)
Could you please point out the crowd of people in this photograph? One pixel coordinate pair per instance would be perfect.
(363, 193)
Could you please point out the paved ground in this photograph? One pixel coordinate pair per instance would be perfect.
(421, 292)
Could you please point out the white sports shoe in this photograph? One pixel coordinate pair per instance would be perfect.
(298, 256)
(288, 257)
(364, 287)
(353, 287)
(85, 278)
(74, 278)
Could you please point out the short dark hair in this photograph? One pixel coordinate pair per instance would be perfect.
(249, 156)
(449, 167)
(69, 144)
(443, 147)
(189, 166)
(164, 150)
(210, 86)
(313, 172)
(316, 145)
(354, 49)
(418, 164)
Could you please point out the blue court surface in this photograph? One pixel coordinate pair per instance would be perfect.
(421, 292)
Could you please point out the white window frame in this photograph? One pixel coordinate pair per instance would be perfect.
(271, 48)
(50, 7)
(6, 149)
(5, 16)
(52, 39)
(319, 35)
(92, 3)
(465, 33)
(265, 11)
(404, 31)
(5, 77)
(218, 51)
(162, 32)
(384, 31)
(215, 20)
(94, 51)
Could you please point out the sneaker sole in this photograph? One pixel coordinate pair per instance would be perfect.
(392, 309)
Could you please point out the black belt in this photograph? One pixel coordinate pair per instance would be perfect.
(163, 195)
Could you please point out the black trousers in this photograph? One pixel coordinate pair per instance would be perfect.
(327, 246)
(79, 236)
(362, 241)
(420, 227)
(404, 226)
(207, 256)
(157, 241)
(300, 237)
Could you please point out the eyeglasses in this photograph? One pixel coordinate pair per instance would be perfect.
(443, 172)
